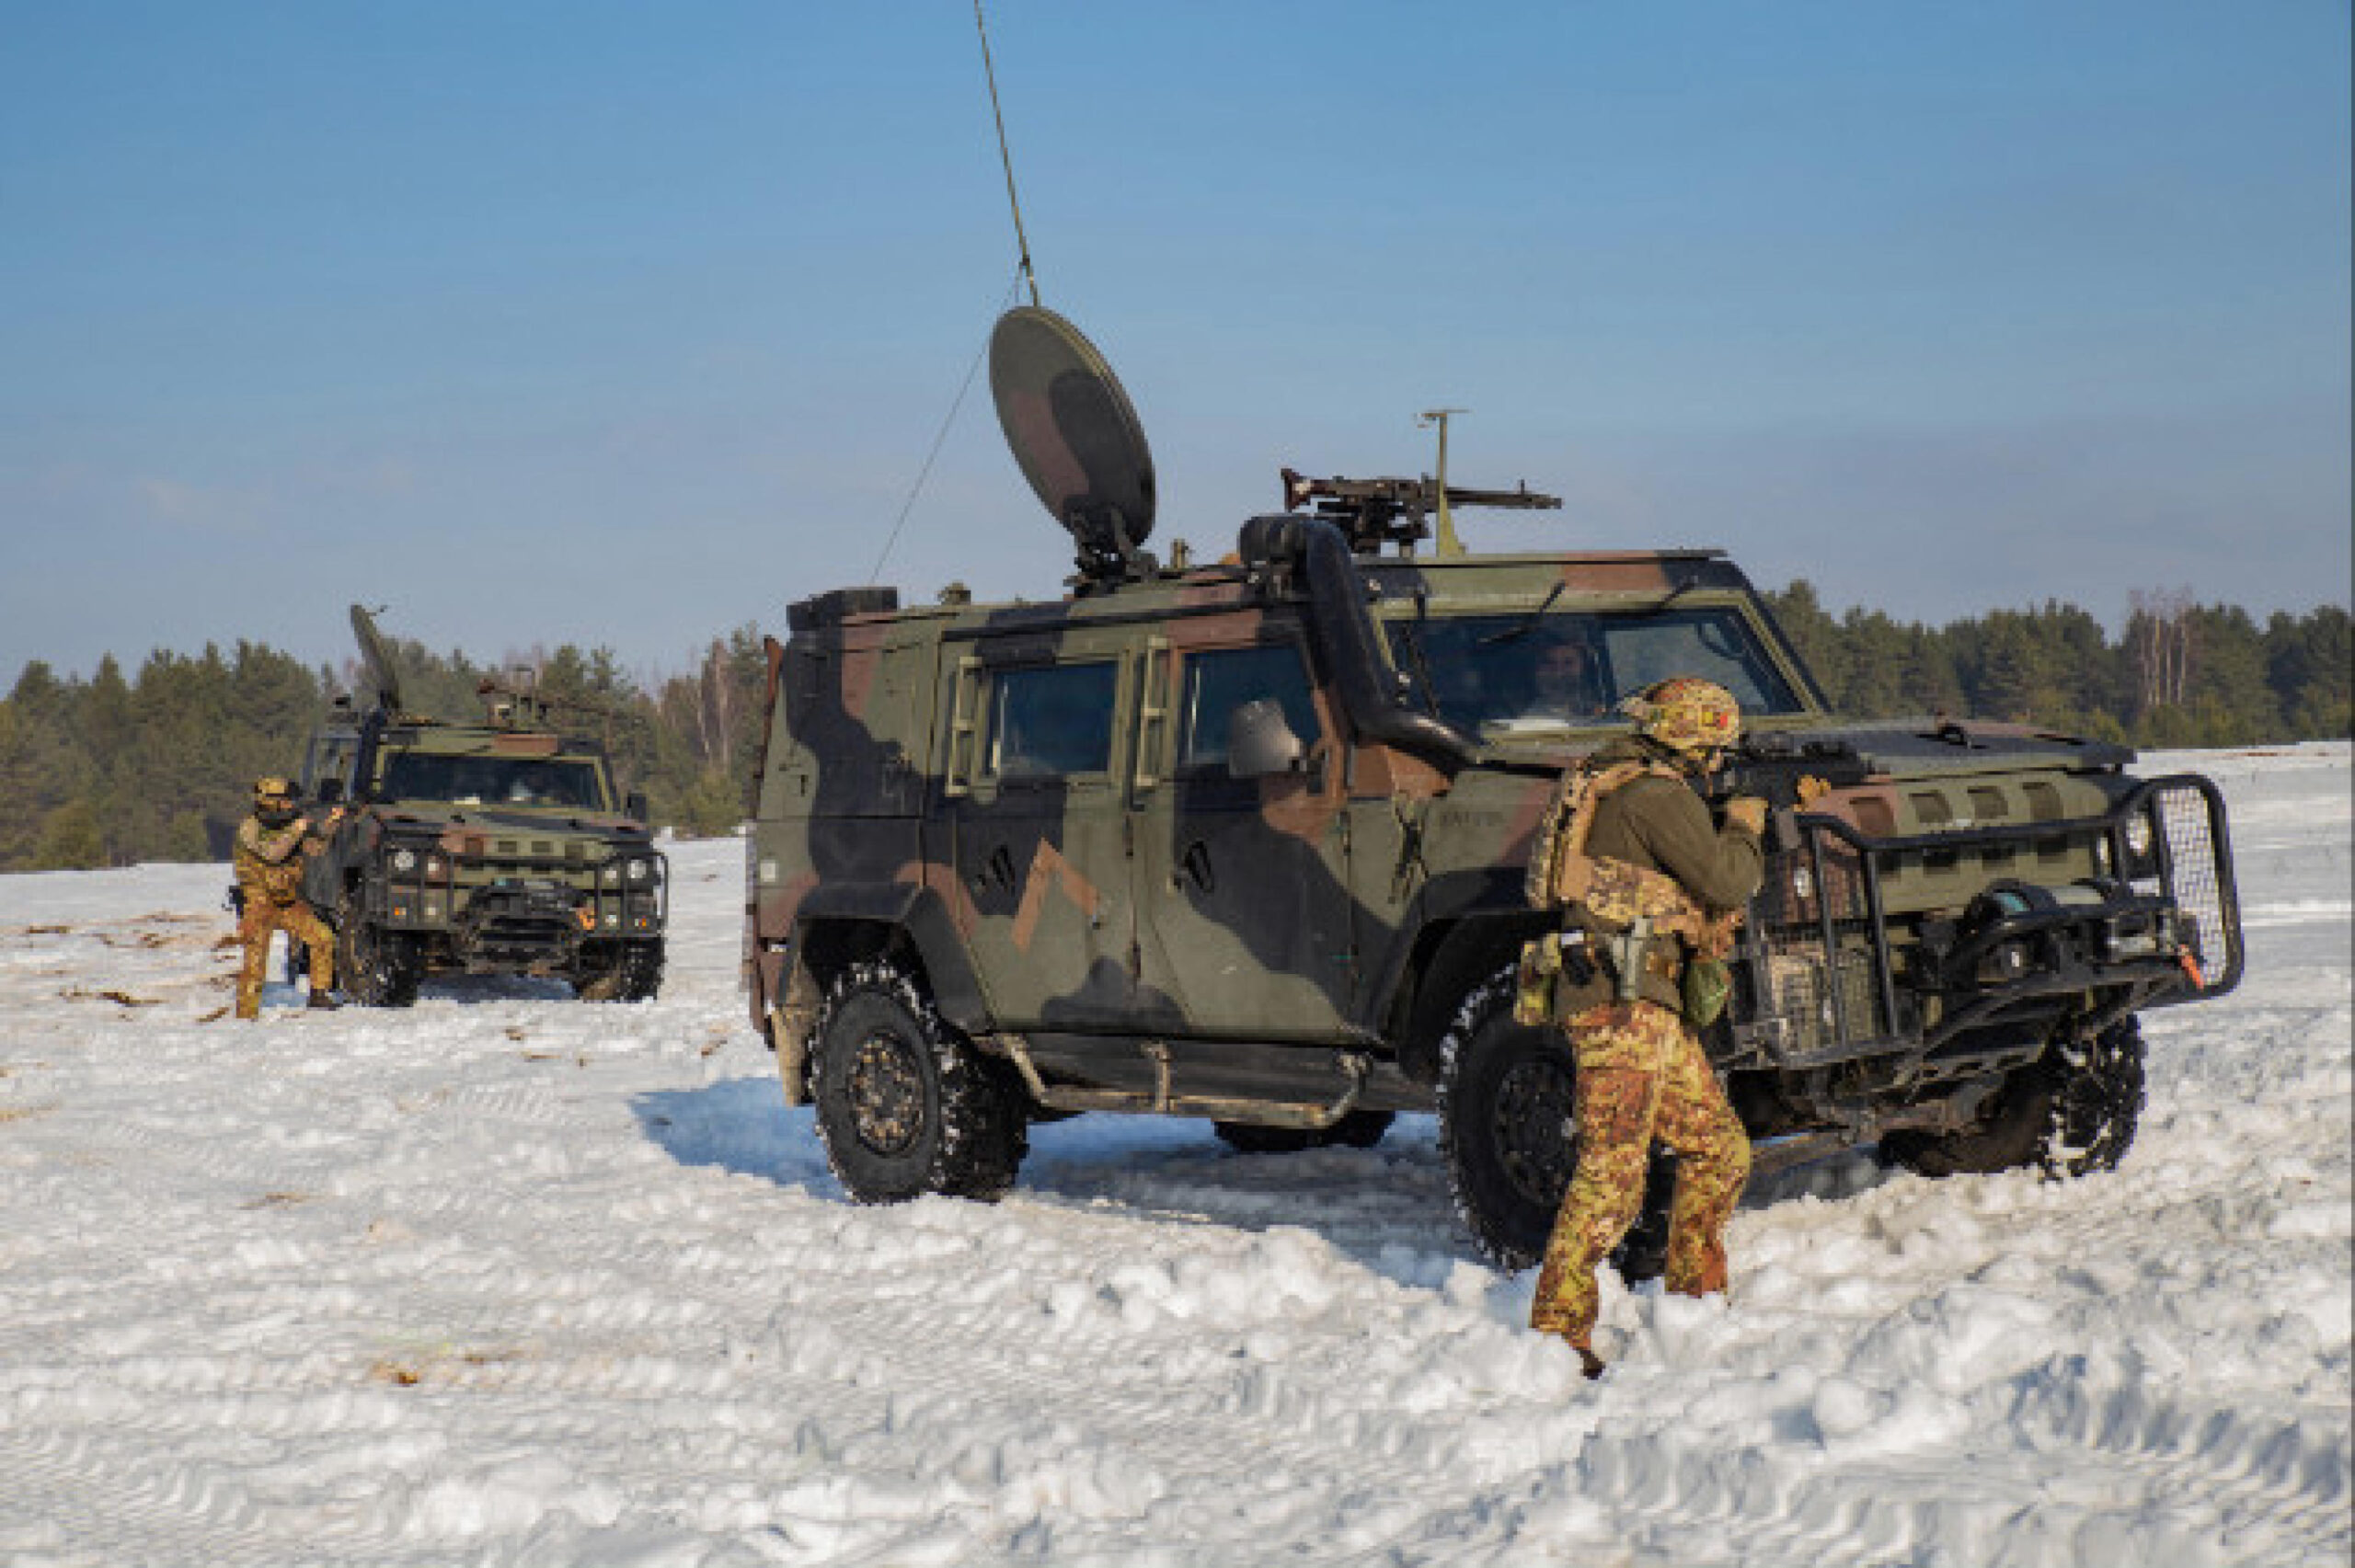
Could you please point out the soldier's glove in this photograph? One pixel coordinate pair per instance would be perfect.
(1748, 813)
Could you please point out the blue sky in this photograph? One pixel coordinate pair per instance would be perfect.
(624, 326)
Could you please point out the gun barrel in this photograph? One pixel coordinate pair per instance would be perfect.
(1522, 498)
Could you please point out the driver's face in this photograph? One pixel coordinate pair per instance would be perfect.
(1562, 668)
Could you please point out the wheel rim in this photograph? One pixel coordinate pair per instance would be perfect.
(886, 1095)
(1530, 1123)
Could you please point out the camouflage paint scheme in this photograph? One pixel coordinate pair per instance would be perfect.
(1141, 920)
(494, 886)
(1641, 1075)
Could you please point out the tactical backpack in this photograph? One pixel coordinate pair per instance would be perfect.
(1626, 905)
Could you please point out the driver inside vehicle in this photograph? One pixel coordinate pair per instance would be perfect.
(1565, 683)
(532, 785)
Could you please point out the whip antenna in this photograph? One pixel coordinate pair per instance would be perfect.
(1021, 240)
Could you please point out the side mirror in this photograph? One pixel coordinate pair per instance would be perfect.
(634, 807)
(1259, 741)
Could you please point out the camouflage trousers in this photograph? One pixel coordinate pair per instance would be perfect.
(1641, 1075)
(260, 918)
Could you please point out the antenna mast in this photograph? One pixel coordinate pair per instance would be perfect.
(1021, 240)
(1449, 544)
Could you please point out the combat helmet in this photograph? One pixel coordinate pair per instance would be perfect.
(275, 798)
(1687, 715)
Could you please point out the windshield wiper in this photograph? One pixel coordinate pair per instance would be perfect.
(1528, 624)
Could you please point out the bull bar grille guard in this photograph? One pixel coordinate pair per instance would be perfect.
(1816, 954)
(428, 896)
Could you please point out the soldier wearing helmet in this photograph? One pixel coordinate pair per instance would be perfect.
(1642, 1073)
(272, 847)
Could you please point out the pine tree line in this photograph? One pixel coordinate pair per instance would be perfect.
(2182, 674)
(110, 770)
(113, 771)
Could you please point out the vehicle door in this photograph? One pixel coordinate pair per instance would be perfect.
(1242, 881)
(1039, 747)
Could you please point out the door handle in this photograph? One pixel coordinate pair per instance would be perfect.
(1195, 867)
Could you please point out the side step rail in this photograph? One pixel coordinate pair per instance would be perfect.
(1164, 1099)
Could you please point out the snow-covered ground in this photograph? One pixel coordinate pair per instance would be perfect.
(511, 1280)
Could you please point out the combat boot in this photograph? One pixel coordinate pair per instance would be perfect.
(321, 1001)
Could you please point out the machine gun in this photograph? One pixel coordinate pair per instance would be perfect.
(1375, 511)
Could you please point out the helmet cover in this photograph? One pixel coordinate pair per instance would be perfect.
(1686, 713)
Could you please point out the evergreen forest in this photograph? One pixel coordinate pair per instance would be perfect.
(158, 766)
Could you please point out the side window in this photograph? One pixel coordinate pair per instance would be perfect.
(1052, 720)
(1220, 680)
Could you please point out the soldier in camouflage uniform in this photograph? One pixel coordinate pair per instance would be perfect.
(1641, 1070)
(272, 847)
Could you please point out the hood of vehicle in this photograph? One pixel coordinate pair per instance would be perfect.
(1907, 749)
(414, 817)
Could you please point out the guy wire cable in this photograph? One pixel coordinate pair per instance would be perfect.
(1013, 286)
(1023, 274)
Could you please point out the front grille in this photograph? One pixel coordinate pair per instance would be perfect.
(1813, 954)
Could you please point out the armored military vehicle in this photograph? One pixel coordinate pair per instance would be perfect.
(497, 847)
(1244, 840)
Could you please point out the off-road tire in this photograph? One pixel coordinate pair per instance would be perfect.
(2072, 1112)
(1506, 1094)
(373, 966)
(1358, 1129)
(632, 974)
(905, 1104)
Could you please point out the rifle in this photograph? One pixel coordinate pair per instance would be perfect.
(1771, 766)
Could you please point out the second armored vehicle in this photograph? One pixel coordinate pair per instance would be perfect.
(1246, 842)
(497, 847)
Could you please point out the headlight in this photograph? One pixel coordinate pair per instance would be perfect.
(404, 861)
(2138, 835)
(640, 870)
(610, 876)
(433, 865)
(1802, 885)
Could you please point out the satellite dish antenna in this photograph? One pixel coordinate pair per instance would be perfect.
(1078, 438)
(378, 658)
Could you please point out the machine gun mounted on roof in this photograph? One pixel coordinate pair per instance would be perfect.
(1397, 512)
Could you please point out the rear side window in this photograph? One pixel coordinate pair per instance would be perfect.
(1220, 680)
(1053, 721)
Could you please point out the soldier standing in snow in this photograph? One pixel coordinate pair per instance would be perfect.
(272, 845)
(1649, 887)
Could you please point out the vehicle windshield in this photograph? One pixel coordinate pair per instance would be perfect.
(1533, 672)
(493, 781)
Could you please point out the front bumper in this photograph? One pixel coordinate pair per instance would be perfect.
(497, 915)
(1826, 977)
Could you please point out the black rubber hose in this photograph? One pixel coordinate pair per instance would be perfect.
(1349, 639)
